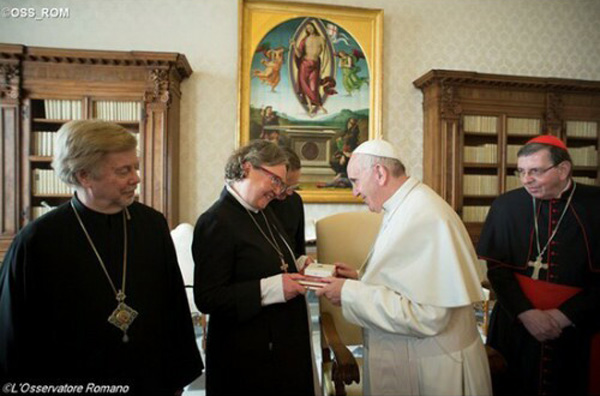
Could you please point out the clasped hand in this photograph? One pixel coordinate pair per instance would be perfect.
(544, 325)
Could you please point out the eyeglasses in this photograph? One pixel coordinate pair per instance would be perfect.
(275, 180)
(534, 172)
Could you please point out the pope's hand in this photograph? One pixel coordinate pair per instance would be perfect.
(291, 287)
(540, 324)
(343, 270)
(333, 290)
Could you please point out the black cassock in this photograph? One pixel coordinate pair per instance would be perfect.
(508, 243)
(250, 349)
(290, 213)
(55, 301)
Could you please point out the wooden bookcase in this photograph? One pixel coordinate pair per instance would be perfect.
(475, 123)
(42, 88)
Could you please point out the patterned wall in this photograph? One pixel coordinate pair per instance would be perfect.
(558, 38)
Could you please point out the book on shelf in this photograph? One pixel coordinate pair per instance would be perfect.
(46, 182)
(483, 154)
(480, 185)
(511, 153)
(585, 180)
(118, 111)
(475, 214)
(583, 129)
(480, 124)
(523, 126)
(584, 156)
(513, 182)
(55, 109)
(42, 143)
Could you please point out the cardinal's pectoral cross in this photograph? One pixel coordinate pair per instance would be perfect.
(284, 266)
(537, 264)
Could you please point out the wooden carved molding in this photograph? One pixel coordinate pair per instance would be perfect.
(159, 78)
(109, 58)
(552, 115)
(166, 69)
(450, 108)
(9, 76)
(459, 78)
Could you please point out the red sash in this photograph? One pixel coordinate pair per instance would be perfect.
(545, 295)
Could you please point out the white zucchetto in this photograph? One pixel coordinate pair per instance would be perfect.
(378, 148)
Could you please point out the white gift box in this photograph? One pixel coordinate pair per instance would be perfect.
(319, 270)
(315, 271)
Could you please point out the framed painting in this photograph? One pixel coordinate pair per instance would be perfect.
(310, 78)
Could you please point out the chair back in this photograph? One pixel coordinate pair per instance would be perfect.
(348, 238)
(182, 236)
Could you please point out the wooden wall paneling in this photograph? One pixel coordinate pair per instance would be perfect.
(32, 75)
(450, 96)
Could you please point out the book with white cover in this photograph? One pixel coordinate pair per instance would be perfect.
(319, 270)
(315, 271)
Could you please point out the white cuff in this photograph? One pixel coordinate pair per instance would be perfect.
(349, 294)
(271, 290)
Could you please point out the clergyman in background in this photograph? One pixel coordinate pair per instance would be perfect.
(289, 207)
(541, 246)
(91, 292)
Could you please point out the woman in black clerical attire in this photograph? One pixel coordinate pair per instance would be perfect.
(246, 278)
(91, 292)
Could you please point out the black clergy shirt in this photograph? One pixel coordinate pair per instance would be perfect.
(55, 300)
(508, 244)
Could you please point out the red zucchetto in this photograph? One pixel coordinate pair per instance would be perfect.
(549, 139)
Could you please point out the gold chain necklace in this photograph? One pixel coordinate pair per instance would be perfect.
(123, 315)
(284, 266)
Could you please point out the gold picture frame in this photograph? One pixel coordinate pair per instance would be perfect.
(310, 77)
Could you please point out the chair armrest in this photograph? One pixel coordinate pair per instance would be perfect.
(204, 324)
(345, 368)
(487, 285)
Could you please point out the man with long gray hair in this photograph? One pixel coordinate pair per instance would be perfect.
(91, 293)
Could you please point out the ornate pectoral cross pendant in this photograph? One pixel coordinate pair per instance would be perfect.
(284, 266)
(123, 316)
(537, 265)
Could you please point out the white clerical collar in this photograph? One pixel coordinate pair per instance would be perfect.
(394, 201)
(239, 198)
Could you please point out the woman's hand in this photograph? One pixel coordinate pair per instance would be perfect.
(305, 261)
(291, 287)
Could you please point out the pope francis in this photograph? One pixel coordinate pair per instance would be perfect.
(413, 296)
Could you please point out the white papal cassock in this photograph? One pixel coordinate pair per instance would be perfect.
(414, 301)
